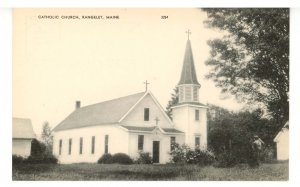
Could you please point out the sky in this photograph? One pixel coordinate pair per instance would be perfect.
(59, 61)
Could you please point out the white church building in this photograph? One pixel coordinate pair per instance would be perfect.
(134, 123)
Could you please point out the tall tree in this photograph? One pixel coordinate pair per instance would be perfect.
(251, 61)
(47, 137)
(174, 100)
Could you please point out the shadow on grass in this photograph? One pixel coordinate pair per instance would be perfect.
(117, 172)
(131, 175)
(34, 168)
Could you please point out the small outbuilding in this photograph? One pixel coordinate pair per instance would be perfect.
(282, 143)
(22, 135)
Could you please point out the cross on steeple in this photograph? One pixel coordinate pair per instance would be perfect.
(157, 120)
(146, 84)
(188, 32)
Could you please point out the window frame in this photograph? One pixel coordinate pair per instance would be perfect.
(146, 114)
(93, 145)
(197, 146)
(80, 145)
(106, 139)
(70, 146)
(172, 142)
(60, 146)
(197, 115)
(141, 142)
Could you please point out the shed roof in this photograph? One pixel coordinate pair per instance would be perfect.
(22, 129)
(149, 129)
(284, 129)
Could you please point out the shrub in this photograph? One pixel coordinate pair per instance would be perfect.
(105, 159)
(42, 159)
(16, 159)
(178, 154)
(268, 155)
(50, 159)
(185, 155)
(226, 159)
(144, 158)
(38, 148)
(201, 157)
(121, 158)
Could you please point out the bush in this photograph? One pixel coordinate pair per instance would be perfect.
(105, 159)
(121, 158)
(185, 155)
(144, 158)
(268, 155)
(16, 159)
(43, 159)
(200, 157)
(178, 154)
(226, 159)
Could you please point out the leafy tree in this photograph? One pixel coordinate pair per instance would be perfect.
(252, 60)
(173, 101)
(229, 133)
(47, 137)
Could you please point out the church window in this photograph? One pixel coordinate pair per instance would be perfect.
(172, 142)
(93, 144)
(197, 115)
(146, 114)
(140, 142)
(197, 142)
(106, 144)
(70, 146)
(60, 146)
(80, 145)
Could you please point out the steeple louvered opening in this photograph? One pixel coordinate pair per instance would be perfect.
(188, 93)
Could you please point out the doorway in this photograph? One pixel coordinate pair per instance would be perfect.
(155, 152)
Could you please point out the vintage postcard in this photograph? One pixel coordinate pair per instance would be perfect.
(173, 94)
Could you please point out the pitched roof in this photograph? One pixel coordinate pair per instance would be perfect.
(188, 73)
(136, 128)
(285, 128)
(106, 112)
(149, 129)
(171, 130)
(22, 128)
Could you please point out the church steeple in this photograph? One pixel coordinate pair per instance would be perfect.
(188, 73)
(188, 84)
(189, 115)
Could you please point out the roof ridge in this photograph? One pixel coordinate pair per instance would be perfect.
(110, 100)
(98, 112)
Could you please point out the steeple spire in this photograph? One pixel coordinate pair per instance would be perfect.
(188, 84)
(188, 73)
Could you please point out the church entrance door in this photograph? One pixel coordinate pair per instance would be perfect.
(155, 152)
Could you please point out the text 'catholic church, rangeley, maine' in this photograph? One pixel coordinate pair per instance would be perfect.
(135, 123)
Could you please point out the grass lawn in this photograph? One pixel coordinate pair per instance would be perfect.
(84, 171)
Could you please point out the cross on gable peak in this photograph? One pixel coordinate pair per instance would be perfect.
(146, 85)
